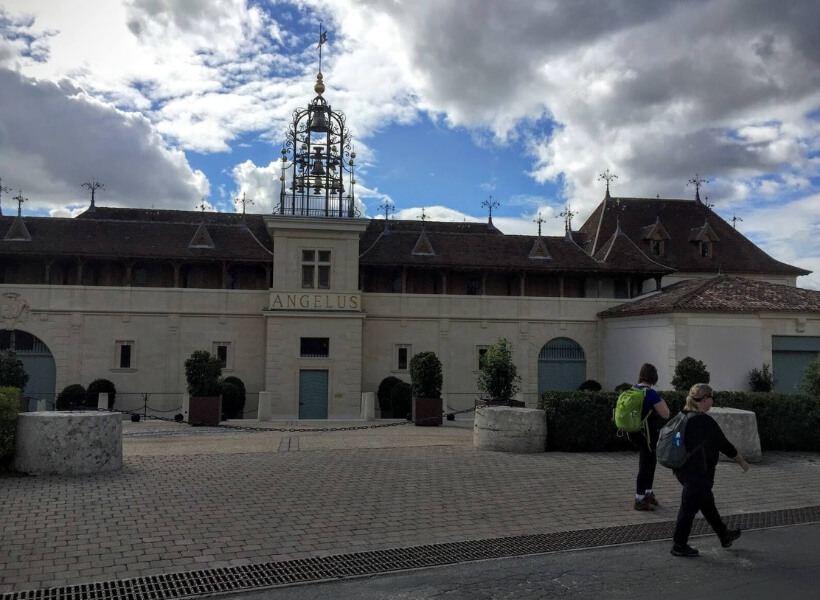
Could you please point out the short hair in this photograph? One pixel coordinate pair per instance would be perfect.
(648, 373)
(697, 392)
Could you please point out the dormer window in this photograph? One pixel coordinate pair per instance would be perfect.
(706, 249)
(656, 247)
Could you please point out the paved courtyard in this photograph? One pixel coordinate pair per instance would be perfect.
(194, 498)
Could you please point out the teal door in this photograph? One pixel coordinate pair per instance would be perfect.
(562, 365)
(790, 356)
(312, 394)
(37, 361)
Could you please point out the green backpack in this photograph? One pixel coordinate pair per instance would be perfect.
(628, 408)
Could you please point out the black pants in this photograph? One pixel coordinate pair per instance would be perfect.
(696, 496)
(647, 459)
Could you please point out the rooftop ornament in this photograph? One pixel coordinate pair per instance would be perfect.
(317, 156)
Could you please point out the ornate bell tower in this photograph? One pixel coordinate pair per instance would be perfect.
(317, 177)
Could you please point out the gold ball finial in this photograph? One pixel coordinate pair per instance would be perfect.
(319, 88)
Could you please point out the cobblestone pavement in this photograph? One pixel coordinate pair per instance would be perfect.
(207, 499)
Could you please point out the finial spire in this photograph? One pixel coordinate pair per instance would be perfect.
(490, 204)
(243, 201)
(3, 189)
(538, 220)
(93, 185)
(202, 205)
(20, 200)
(697, 181)
(567, 215)
(423, 216)
(608, 177)
(387, 207)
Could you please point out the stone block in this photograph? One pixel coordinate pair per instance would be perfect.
(509, 429)
(740, 428)
(68, 442)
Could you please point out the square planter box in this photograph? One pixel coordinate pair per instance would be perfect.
(205, 410)
(427, 410)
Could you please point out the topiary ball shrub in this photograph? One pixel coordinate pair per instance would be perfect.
(71, 398)
(97, 387)
(590, 385)
(231, 406)
(239, 411)
(622, 387)
(384, 391)
(688, 372)
(401, 399)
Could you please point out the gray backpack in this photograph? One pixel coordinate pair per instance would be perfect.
(671, 448)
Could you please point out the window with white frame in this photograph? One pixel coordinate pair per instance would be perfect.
(480, 351)
(316, 269)
(222, 350)
(401, 357)
(125, 356)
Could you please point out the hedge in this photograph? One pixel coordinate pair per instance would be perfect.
(582, 421)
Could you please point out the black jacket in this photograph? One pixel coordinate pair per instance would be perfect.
(705, 438)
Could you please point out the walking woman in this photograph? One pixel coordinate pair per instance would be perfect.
(654, 413)
(705, 440)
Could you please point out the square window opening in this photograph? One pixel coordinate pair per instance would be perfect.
(314, 347)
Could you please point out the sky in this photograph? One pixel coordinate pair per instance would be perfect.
(452, 104)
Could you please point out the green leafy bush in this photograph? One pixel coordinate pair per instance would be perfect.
(811, 378)
(761, 380)
(230, 400)
(203, 372)
(582, 421)
(498, 378)
(688, 372)
(12, 373)
(97, 387)
(72, 397)
(383, 393)
(236, 408)
(622, 386)
(9, 407)
(590, 385)
(425, 375)
(401, 399)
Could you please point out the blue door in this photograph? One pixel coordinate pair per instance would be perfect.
(312, 394)
(562, 365)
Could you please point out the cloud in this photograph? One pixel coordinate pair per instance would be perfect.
(54, 137)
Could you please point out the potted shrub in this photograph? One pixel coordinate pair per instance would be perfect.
(426, 380)
(498, 378)
(203, 372)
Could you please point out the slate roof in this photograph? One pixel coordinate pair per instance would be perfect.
(721, 294)
(138, 233)
(471, 246)
(681, 220)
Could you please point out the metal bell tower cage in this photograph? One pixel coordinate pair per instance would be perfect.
(317, 158)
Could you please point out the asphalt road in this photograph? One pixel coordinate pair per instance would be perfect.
(762, 565)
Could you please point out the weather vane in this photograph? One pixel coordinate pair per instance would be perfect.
(567, 215)
(20, 200)
(423, 216)
(93, 185)
(387, 207)
(202, 205)
(243, 201)
(490, 204)
(735, 219)
(608, 177)
(322, 40)
(3, 189)
(538, 220)
(697, 181)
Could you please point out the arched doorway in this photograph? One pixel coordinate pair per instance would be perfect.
(37, 361)
(562, 365)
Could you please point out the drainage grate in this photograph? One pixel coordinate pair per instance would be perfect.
(272, 574)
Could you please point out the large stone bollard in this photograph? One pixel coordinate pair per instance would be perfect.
(508, 429)
(68, 442)
(740, 428)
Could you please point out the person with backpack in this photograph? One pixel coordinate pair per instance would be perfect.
(704, 440)
(654, 412)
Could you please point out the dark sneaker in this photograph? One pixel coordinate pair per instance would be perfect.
(685, 550)
(643, 504)
(731, 536)
(650, 497)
